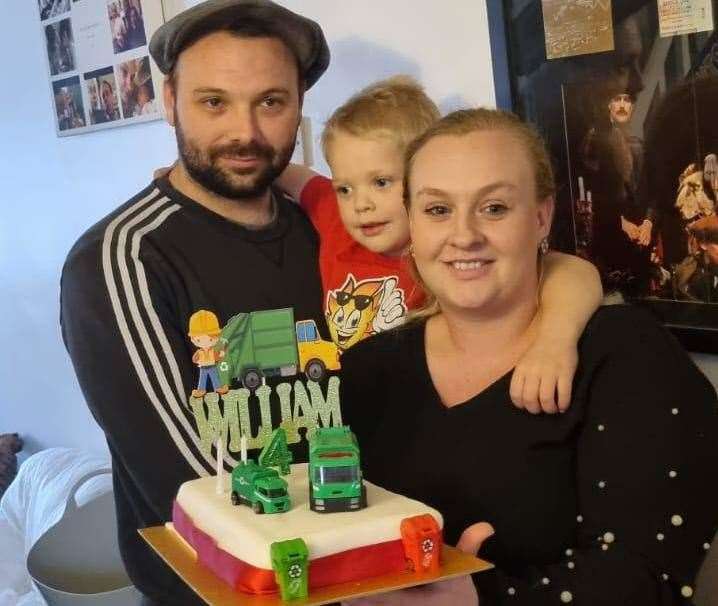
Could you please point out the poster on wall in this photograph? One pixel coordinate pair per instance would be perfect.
(651, 234)
(101, 75)
(634, 139)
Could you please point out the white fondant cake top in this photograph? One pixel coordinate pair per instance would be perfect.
(247, 535)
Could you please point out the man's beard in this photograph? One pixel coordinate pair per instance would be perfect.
(203, 167)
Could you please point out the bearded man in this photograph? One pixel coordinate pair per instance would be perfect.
(214, 235)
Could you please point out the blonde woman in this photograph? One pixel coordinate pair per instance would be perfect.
(608, 503)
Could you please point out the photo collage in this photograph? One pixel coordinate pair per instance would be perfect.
(98, 61)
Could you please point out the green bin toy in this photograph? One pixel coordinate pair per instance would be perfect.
(290, 561)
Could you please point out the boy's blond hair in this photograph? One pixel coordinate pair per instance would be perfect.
(397, 108)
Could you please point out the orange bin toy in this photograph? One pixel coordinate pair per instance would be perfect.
(422, 541)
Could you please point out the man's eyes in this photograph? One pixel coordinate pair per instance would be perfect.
(272, 102)
(212, 102)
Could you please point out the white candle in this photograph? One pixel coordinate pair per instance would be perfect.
(580, 189)
(243, 445)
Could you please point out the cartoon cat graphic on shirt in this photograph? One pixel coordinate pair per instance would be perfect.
(359, 309)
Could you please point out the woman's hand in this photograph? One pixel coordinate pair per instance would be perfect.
(474, 536)
(460, 590)
(544, 371)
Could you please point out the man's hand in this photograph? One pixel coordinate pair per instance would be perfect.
(545, 370)
(392, 309)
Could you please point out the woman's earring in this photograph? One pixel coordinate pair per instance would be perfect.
(410, 250)
(543, 247)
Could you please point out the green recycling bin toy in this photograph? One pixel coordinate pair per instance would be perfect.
(290, 561)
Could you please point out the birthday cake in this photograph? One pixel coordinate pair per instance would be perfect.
(392, 534)
(270, 527)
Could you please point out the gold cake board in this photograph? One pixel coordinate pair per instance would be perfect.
(180, 556)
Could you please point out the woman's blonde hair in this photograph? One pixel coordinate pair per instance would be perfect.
(464, 122)
(397, 108)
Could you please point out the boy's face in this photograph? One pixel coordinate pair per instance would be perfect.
(368, 173)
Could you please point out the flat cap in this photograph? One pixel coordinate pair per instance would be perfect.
(303, 36)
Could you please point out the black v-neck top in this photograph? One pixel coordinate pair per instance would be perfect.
(612, 502)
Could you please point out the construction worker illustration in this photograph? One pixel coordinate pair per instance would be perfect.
(204, 332)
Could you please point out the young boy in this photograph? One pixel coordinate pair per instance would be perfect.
(359, 213)
(364, 232)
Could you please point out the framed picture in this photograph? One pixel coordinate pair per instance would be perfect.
(101, 75)
(625, 94)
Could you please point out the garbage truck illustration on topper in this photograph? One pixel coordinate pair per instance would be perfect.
(269, 343)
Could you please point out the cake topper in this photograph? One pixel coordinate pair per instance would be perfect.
(204, 333)
(268, 343)
(276, 453)
(220, 467)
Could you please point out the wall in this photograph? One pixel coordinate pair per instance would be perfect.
(447, 51)
(54, 189)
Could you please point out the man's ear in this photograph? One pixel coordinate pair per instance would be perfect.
(169, 98)
(544, 214)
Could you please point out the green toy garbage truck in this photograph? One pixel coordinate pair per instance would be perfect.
(335, 478)
(259, 487)
(269, 343)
